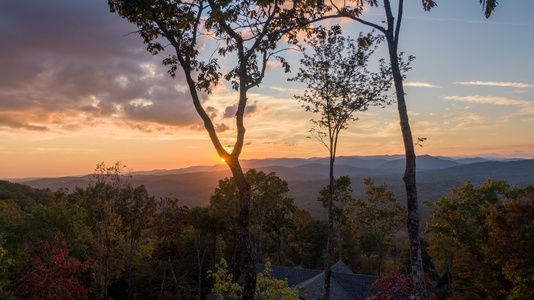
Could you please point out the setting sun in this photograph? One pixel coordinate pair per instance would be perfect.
(222, 160)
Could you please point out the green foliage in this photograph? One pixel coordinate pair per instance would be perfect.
(307, 239)
(267, 287)
(270, 210)
(270, 288)
(338, 197)
(512, 242)
(25, 196)
(58, 220)
(461, 236)
(5, 264)
(342, 194)
(378, 217)
(224, 282)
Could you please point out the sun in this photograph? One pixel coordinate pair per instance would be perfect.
(222, 160)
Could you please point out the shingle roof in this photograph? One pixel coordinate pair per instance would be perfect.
(344, 283)
(294, 275)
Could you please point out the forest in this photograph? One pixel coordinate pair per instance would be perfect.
(113, 240)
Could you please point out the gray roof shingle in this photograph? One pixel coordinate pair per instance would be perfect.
(344, 283)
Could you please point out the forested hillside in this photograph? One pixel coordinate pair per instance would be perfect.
(305, 177)
(112, 238)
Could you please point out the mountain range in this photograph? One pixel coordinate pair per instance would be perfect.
(306, 177)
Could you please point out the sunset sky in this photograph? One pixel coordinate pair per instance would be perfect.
(76, 89)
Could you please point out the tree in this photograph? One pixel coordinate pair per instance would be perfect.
(342, 195)
(101, 199)
(379, 217)
(512, 242)
(248, 29)
(168, 226)
(4, 274)
(461, 236)
(307, 239)
(203, 230)
(397, 286)
(271, 209)
(338, 84)
(52, 276)
(136, 209)
(391, 30)
(267, 287)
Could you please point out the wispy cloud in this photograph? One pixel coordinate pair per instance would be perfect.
(284, 89)
(65, 150)
(527, 24)
(464, 120)
(421, 84)
(488, 100)
(494, 83)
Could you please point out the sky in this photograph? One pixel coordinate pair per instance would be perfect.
(77, 88)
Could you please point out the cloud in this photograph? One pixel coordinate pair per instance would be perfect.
(77, 65)
(493, 83)
(64, 150)
(421, 84)
(467, 120)
(525, 24)
(11, 122)
(221, 127)
(488, 100)
(286, 90)
(230, 111)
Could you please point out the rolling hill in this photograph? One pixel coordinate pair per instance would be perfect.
(436, 176)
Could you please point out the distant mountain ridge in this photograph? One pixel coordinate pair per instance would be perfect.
(380, 162)
(306, 177)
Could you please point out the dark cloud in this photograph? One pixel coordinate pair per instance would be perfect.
(7, 120)
(230, 111)
(66, 58)
(221, 127)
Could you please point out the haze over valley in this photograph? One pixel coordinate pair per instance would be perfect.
(194, 186)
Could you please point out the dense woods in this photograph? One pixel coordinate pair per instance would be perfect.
(113, 240)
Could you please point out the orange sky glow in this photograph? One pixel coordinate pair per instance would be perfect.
(76, 89)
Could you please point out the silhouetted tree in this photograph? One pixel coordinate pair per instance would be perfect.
(338, 85)
(390, 28)
(247, 29)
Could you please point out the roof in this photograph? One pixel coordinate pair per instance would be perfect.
(344, 283)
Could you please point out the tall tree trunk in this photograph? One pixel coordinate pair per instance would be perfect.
(409, 174)
(175, 280)
(245, 248)
(200, 261)
(331, 233)
(129, 267)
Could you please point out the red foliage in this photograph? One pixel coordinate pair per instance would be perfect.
(397, 286)
(52, 276)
